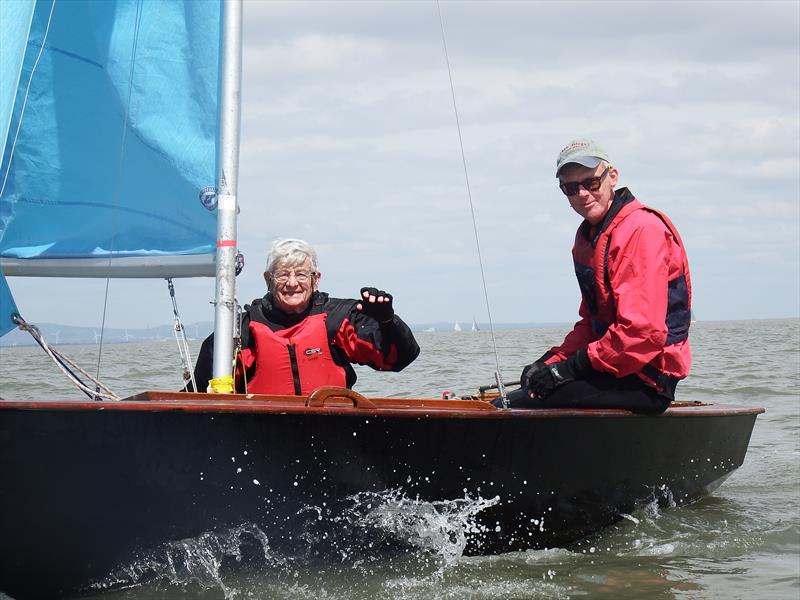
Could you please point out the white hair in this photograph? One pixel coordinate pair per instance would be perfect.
(290, 253)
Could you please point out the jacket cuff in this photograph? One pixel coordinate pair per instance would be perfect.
(388, 323)
(581, 365)
(545, 357)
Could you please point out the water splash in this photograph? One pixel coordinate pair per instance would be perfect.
(441, 527)
(194, 561)
(356, 534)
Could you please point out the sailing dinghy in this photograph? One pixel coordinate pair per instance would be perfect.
(118, 119)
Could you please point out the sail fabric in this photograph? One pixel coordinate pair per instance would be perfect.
(116, 107)
(15, 17)
(7, 307)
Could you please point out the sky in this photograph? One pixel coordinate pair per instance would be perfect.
(349, 141)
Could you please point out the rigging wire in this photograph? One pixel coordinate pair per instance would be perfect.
(67, 365)
(118, 187)
(498, 376)
(183, 343)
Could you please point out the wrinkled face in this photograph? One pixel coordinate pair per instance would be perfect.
(292, 286)
(591, 205)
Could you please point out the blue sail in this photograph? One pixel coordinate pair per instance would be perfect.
(7, 307)
(16, 23)
(110, 146)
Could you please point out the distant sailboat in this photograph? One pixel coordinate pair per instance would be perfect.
(474, 325)
(457, 327)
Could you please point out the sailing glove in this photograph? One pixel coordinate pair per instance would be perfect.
(528, 369)
(542, 382)
(369, 304)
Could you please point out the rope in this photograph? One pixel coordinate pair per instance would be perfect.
(67, 366)
(498, 376)
(183, 343)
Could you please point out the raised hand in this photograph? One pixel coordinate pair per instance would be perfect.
(376, 304)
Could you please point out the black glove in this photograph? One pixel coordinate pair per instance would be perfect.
(376, 304)
(526, 371)
(542, 382)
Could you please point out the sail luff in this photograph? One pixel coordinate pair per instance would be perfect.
(228, 173)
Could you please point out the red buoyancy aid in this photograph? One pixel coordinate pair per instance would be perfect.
(292, 361)
(630, 347)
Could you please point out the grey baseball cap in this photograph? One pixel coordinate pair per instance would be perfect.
(582, 151)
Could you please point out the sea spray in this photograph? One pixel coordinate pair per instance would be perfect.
(359, 531)
(441, 527)
(368, 525)
(196, 561)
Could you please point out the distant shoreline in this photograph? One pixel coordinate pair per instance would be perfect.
(69, 335)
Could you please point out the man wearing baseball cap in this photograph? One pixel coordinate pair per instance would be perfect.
(631, 345)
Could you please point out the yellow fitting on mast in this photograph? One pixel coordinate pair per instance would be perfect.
(221, 385)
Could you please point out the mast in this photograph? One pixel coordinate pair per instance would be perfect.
(227, 183)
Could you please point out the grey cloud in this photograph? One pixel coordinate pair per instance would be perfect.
(349, 141)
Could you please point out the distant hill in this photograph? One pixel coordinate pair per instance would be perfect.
(466, 326)
(61, 335)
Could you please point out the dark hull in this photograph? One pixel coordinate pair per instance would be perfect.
(84, 485)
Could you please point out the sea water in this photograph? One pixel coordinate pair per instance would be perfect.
(741, 542)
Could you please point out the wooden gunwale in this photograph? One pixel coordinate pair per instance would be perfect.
(343, 404)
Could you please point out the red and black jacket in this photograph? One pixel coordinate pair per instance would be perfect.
(636, 296)
(296, 353)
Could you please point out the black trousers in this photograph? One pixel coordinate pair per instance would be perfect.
(600, 390)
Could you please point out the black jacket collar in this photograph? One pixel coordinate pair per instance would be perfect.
(272, 314)
(622, 196)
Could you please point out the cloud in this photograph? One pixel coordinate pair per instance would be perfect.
(316, 52)
(349, 140)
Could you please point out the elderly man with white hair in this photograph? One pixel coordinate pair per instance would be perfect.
(296, 338)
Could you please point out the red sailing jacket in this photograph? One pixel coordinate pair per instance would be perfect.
(636, 296)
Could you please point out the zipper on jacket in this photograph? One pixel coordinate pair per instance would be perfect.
(295, 372)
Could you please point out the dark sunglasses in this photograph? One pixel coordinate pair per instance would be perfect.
(592, 184)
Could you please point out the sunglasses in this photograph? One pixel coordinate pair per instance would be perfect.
(592, 184)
